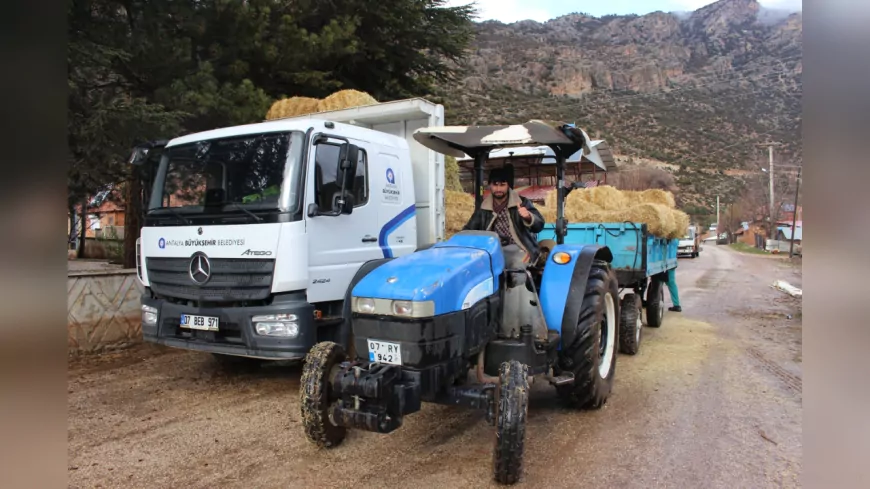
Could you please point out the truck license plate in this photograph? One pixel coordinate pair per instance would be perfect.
(205, 323)
(383, 352)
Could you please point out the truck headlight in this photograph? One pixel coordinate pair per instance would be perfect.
(149, 315)
(282, 325)
(400, 308)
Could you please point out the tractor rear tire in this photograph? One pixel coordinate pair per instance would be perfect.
(630, 325)
(512, 408)
(655, 303)
(591, 356)
(320, 364)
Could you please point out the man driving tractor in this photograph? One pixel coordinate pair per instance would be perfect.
(514, 218)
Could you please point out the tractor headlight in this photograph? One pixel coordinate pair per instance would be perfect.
(413, 309)
(400, 308)
(364, 305)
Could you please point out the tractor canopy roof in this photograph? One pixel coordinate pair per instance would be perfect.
(459, 141)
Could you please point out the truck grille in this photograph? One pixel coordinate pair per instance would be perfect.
(232, 279)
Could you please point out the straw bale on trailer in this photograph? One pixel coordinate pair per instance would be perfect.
(651, 196)
(605, 197)
(459, 206)
(681, 226)
(655, 208)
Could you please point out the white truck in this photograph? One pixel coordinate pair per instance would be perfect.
(254, 234)
(690, 244)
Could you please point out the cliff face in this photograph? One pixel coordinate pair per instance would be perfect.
(696, 90)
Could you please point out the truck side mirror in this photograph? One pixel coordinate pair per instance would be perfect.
(348, 156)
(139, 155)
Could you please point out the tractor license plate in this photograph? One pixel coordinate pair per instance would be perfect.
(383, 352)
(205, 323)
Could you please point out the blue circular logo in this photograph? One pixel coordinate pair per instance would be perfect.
(391, 177)
(161, 243)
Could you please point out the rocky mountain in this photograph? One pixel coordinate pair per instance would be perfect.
(697, 91)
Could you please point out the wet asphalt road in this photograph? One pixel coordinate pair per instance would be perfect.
(712, 400)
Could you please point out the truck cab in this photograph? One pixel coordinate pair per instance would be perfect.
(690, 244)
(254, 234)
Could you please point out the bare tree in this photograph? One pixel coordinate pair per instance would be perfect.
(755, 199)
(643, 178)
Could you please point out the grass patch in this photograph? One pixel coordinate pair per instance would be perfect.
(745, 248)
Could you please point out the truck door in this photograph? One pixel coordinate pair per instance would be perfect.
(393, 184)
(338, 246)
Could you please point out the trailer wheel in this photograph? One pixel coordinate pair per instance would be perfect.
(513, 404)
(320, 364)
(655, 303)
(592, 354)
(630, 325)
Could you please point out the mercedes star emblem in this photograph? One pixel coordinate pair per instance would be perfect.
(199, 231)
(199, 269)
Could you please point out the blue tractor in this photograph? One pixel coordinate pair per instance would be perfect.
(422, 323)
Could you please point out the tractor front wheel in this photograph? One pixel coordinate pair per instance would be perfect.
(513, 404)
(320, 365)
(591, 353)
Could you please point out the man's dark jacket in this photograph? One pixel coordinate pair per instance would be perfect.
(524, 234)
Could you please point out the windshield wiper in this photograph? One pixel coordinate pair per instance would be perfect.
(246, 211)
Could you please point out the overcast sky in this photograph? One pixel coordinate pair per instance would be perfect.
(543, 10)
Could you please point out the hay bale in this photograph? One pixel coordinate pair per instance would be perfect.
(459, 206)
(344, 99)
(291, 107)
(681, 224)
(658, 218)
(655, 208)
(656, 196)
(606, 197)
(651, 196)
(578, 207)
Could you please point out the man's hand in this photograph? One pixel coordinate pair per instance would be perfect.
(525, 214)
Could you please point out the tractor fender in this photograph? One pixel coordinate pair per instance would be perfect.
(563, 286)
(366, 268)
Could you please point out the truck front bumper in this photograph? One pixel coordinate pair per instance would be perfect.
(236, 334)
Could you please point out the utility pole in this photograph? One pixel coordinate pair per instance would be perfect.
(717, 216)
(770, 174)
(794, 214)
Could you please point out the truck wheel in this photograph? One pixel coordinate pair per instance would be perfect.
(320, 364)
(655, 303)
(233, 363)
(513, 404)
(592, 354)
(630, 325)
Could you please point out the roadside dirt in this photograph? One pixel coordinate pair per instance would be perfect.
(712, 400)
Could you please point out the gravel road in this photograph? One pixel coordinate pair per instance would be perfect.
(712, 400)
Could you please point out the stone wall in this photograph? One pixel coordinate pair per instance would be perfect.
(103, 310)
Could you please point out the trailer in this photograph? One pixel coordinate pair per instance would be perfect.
(641, 262)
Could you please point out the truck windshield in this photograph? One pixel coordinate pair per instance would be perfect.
(234, 174)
